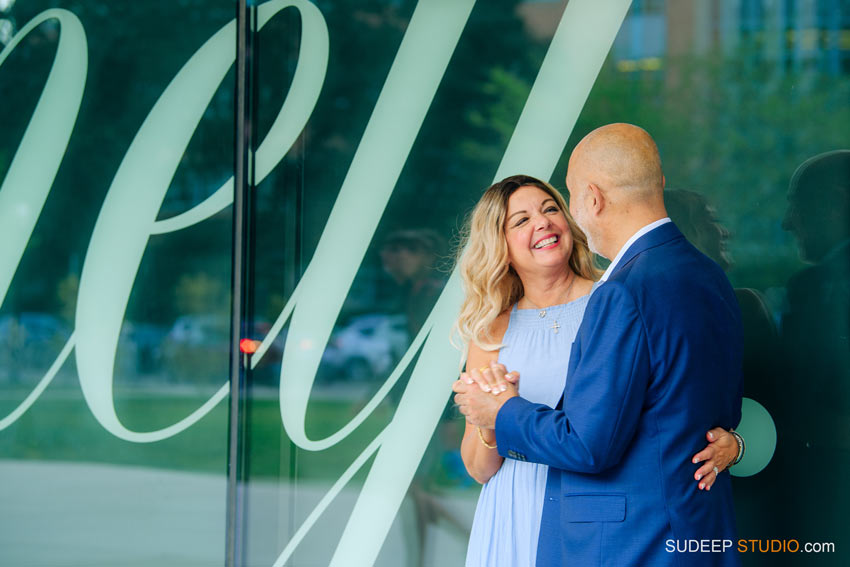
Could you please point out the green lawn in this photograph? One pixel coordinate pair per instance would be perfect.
(62, 428)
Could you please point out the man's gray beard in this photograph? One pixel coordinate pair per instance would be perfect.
(590, 239)
(592, 245)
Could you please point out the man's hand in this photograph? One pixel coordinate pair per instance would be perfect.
(480, 407)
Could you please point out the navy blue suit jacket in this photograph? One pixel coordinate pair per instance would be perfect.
(656, 363)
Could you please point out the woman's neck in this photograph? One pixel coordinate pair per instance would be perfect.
(545, 290)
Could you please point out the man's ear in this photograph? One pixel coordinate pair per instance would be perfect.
(596, 198)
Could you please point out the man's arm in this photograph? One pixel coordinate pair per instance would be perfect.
(603, 398)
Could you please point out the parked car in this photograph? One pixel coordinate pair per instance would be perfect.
(197, 349)
(366, 348)
(29, 343)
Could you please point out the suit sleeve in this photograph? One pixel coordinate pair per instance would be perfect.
(603, 398)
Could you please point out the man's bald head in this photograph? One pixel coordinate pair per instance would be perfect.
(620, 156)
(616, 185)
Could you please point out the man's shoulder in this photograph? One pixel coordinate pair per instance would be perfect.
(616, 295)
(670, 276)
(669, 259)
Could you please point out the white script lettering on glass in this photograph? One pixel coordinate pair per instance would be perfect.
(128, 218)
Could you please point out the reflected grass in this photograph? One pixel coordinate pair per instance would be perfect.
(60, 427)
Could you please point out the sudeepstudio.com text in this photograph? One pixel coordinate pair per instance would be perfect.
(747, 546)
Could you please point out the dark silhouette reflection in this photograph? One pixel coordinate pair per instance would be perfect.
(411, 258)
(815, 335)
(697, 219)
(755, 495)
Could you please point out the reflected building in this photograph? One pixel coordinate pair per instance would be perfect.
(791, 34)
(795, 34)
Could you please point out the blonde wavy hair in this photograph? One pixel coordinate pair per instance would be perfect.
(490, 283)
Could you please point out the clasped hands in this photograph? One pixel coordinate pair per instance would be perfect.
(481, 393)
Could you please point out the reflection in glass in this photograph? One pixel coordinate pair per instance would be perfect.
(739, 95)
(74, 493)
(816, 347)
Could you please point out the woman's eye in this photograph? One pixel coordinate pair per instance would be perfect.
(552, 209)
(520, 221)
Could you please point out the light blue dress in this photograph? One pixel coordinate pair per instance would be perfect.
(507, 520)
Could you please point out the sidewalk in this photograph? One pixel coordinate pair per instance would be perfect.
(61, 514)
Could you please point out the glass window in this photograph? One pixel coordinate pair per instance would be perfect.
(375, 127)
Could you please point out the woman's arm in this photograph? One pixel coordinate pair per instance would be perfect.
(723, 450)
(481, 461)
(479, 452)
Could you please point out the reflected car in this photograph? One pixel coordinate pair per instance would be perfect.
(35, 327)
(196, 349)
(366, 348)
(29, 343)
(140, 347)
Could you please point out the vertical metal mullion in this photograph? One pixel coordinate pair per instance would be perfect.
(241, 282)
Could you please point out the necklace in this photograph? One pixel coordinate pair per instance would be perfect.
(542, 312)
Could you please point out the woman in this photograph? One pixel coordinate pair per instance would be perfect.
(528, 274)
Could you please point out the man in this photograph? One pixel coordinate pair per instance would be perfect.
(656, 362)
(813, 409)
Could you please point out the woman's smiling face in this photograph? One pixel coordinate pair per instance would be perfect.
(536, 231)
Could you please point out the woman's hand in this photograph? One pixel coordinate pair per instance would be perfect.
(493, 378)
(721, 451)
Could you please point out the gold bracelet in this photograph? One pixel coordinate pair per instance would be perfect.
(481, 436)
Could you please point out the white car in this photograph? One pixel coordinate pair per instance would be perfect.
(366, 348)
